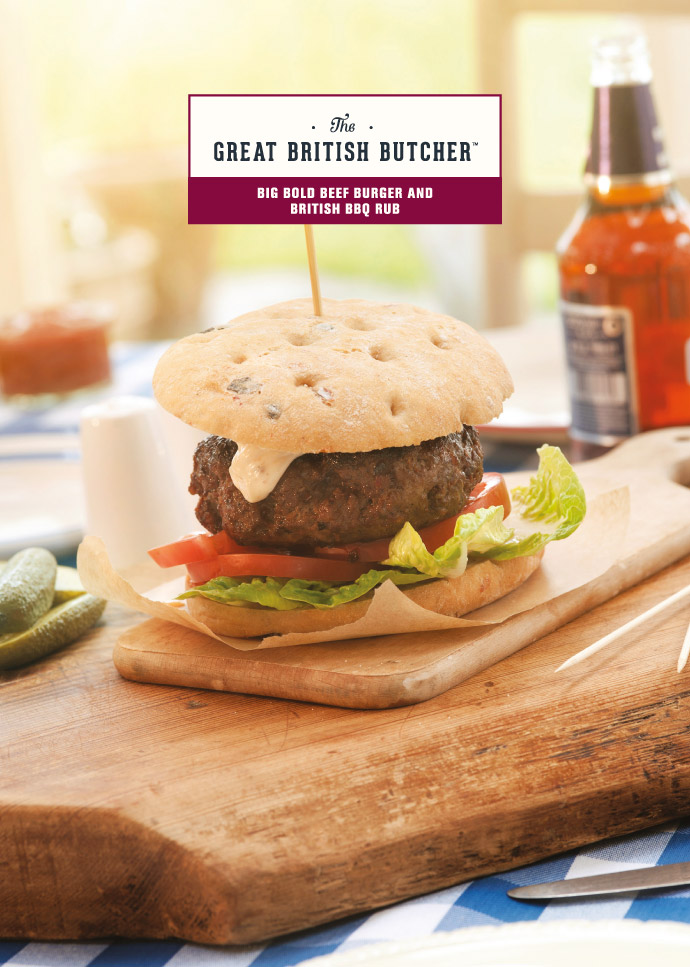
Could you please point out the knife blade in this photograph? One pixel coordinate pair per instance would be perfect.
(625, 881)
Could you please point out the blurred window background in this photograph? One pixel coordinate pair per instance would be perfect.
(93, 115)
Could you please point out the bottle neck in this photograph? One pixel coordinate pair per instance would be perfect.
(626, 145)
(607, 193)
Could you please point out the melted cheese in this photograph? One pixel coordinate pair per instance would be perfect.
(255, 471)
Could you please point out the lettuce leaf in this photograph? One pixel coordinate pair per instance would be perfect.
(325, 594)
(480, 530)
(554, 498)
(295, 593)
(243, 591)
(407, 549)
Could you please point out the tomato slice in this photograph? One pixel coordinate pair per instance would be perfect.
(196, 547)
(492, 491)
(275, 566)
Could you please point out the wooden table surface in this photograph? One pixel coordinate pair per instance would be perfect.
(142, 810)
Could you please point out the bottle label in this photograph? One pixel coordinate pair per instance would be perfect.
(600, 362)
(626, 140)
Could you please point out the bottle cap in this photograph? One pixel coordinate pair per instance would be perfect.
(620, 59)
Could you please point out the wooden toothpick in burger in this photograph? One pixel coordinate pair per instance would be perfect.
(313, 270)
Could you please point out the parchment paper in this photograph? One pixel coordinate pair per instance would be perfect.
(566, 565)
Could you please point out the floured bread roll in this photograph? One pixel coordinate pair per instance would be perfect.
(363, 376)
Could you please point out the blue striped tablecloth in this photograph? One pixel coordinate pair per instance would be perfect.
(481, 902)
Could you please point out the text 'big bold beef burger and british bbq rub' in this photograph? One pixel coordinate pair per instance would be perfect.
(342, 453)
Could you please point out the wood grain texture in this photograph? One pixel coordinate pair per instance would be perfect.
(384, 672)
(138, 810)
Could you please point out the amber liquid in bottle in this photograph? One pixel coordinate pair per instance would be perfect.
(624, 266)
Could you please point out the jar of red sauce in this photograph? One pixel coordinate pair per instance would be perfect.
(54, 351)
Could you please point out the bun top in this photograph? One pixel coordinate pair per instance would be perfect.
(363, 376)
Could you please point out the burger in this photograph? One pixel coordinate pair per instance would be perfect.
(342, 453)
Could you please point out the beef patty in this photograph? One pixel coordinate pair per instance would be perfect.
(339, 498)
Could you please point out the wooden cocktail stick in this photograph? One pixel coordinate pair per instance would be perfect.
(624, 629)
(313, 270)
(684, 651)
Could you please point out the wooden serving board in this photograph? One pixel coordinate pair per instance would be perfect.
(133, 810)
(385, 672)
(136, 810)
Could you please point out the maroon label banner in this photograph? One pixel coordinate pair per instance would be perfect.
(287, 201)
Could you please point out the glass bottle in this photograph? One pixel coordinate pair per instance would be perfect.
(624, 266)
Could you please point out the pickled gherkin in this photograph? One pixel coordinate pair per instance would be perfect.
(27, 586)
(58, 627)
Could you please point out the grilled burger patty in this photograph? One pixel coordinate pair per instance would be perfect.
(339, 498)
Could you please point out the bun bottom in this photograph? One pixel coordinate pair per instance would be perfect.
(482, 583)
